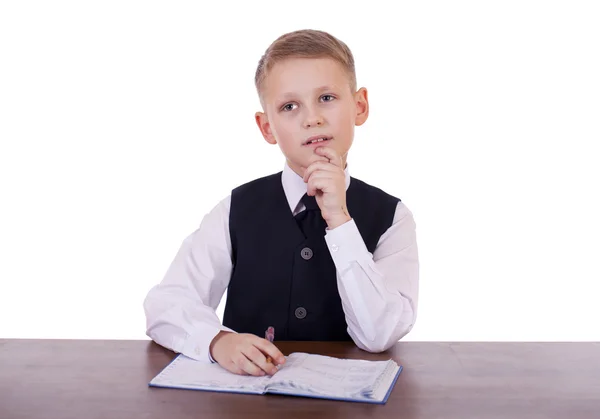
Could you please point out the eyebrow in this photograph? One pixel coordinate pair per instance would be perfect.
(318, 89)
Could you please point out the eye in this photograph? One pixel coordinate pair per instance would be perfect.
(331, 98)
(286, 107)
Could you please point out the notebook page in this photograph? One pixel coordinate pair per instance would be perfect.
(380, 389)
(317, 374)
(185, 372)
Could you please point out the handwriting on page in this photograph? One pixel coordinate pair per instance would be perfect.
(188, 372)
(342, 377)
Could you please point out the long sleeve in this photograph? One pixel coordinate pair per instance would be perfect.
(379, 291)
(180, 310)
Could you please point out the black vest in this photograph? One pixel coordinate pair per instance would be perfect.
(283, 280)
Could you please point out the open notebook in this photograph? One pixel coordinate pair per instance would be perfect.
(303, 374)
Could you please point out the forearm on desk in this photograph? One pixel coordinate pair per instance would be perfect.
(376, 318)
(379, 293)
(184, 329)
(180, 311)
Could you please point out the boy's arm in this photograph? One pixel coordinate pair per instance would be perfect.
(379, 291)
(180, 311)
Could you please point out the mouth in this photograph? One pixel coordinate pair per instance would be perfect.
(318, 140)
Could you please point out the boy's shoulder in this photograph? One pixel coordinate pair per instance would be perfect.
(264, 183)
(366, 190)
(358, 187)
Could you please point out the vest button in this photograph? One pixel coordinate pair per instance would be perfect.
(300, 313)
(306, 253)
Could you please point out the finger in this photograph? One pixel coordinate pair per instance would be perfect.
(232, 367)
(328, 167)
(319, 182)
(314, 159)
(313, 187)
(314, 183)
(248, 366)
(328, 152)
(318, 157)
(259, 359)
(269, 349)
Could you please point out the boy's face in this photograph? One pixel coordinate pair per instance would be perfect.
(308, 97)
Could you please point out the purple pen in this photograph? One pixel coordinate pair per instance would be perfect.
(270, 336)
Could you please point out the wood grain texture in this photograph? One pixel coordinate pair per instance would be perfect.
(64, 379)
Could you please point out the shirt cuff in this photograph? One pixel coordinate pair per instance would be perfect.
(198, 347)
(346, 245)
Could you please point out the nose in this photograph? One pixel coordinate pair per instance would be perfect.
(313, 120)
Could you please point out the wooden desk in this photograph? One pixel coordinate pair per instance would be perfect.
(79, 379)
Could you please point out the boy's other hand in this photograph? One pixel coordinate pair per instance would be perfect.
(245, 354)
(327, 183)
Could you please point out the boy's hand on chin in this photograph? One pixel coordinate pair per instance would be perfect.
(327, 183)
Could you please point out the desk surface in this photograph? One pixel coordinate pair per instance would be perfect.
(109, 379)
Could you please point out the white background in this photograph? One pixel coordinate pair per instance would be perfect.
(122, 123)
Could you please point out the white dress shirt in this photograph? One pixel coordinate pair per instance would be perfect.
(379, 291)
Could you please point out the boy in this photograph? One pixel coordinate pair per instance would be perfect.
(309, 251)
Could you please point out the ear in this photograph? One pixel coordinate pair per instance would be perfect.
(361, 99)
(265, 128)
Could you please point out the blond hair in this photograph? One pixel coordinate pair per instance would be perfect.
(305, 43)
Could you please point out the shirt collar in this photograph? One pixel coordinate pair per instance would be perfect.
(295, 188)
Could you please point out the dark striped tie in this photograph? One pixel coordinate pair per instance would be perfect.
(310, 221)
